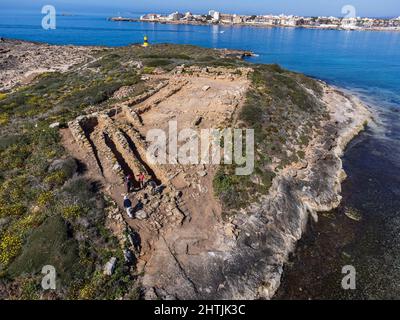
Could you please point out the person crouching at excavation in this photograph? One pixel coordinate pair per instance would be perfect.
(128, 206)
(129, 183)
(141, 179)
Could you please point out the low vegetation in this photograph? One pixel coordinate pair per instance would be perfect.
(49, 214)
(283, 113)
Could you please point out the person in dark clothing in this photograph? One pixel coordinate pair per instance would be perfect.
(159, 189)
(129, 183)
(128, 206)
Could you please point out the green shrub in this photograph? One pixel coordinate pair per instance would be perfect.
(90, 289)
(167, 56)
(13, 210)
(49, 244)
(80, 189)
(10, 246)
(224, 182)
(148, 70)
(23, 225)
(4, 119)
(72, 212)
(14, 157)
(45, 198)
(158, 63)
(30, 289)
(301, 154)
(13, 191)
(56, 178)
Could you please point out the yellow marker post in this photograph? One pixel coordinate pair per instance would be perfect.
(145, 42)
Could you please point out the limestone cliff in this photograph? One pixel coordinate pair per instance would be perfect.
(247, 257)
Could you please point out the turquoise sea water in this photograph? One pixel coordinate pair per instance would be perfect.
(365, 63)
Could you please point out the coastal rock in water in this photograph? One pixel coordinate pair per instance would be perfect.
(353, 214)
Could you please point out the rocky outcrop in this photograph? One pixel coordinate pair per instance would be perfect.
(188, 250)
(251, 249)
(21, 61)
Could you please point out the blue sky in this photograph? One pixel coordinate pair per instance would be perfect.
(372, 8)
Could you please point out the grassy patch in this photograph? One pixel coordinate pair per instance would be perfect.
(54, 216)
(157, 63)
(282, 110)
(49, 244)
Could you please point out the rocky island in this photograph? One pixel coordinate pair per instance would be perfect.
(72, 130)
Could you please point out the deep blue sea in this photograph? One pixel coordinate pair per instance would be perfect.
(365, 63)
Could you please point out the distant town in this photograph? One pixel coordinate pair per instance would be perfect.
(215, 17)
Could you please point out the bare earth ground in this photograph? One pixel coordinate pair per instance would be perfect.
(184, 220)
(246, 258)
(21, 62)
(187, 251)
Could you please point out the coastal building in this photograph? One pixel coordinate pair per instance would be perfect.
(326, 22)
(289, 21)
(188, 16)
(226, 18)
(175, 16)
(259, 19)
(366, 23)
(310, 21)
(349, 23)
(237, 19)
(215, 15)
(395, 22)
(201, 18)
(150, 17)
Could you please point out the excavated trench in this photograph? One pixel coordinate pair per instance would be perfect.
(109, 144)
(185, 211)
(88, 128)
(139, 158)
(120, 159)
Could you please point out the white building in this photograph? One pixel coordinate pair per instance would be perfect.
(289, 21)
(238, 19)
(150, 17)
(175, 16)
(349, 23)
(214, 14)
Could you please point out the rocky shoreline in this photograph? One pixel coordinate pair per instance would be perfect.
(201, 255)
(249, 254)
